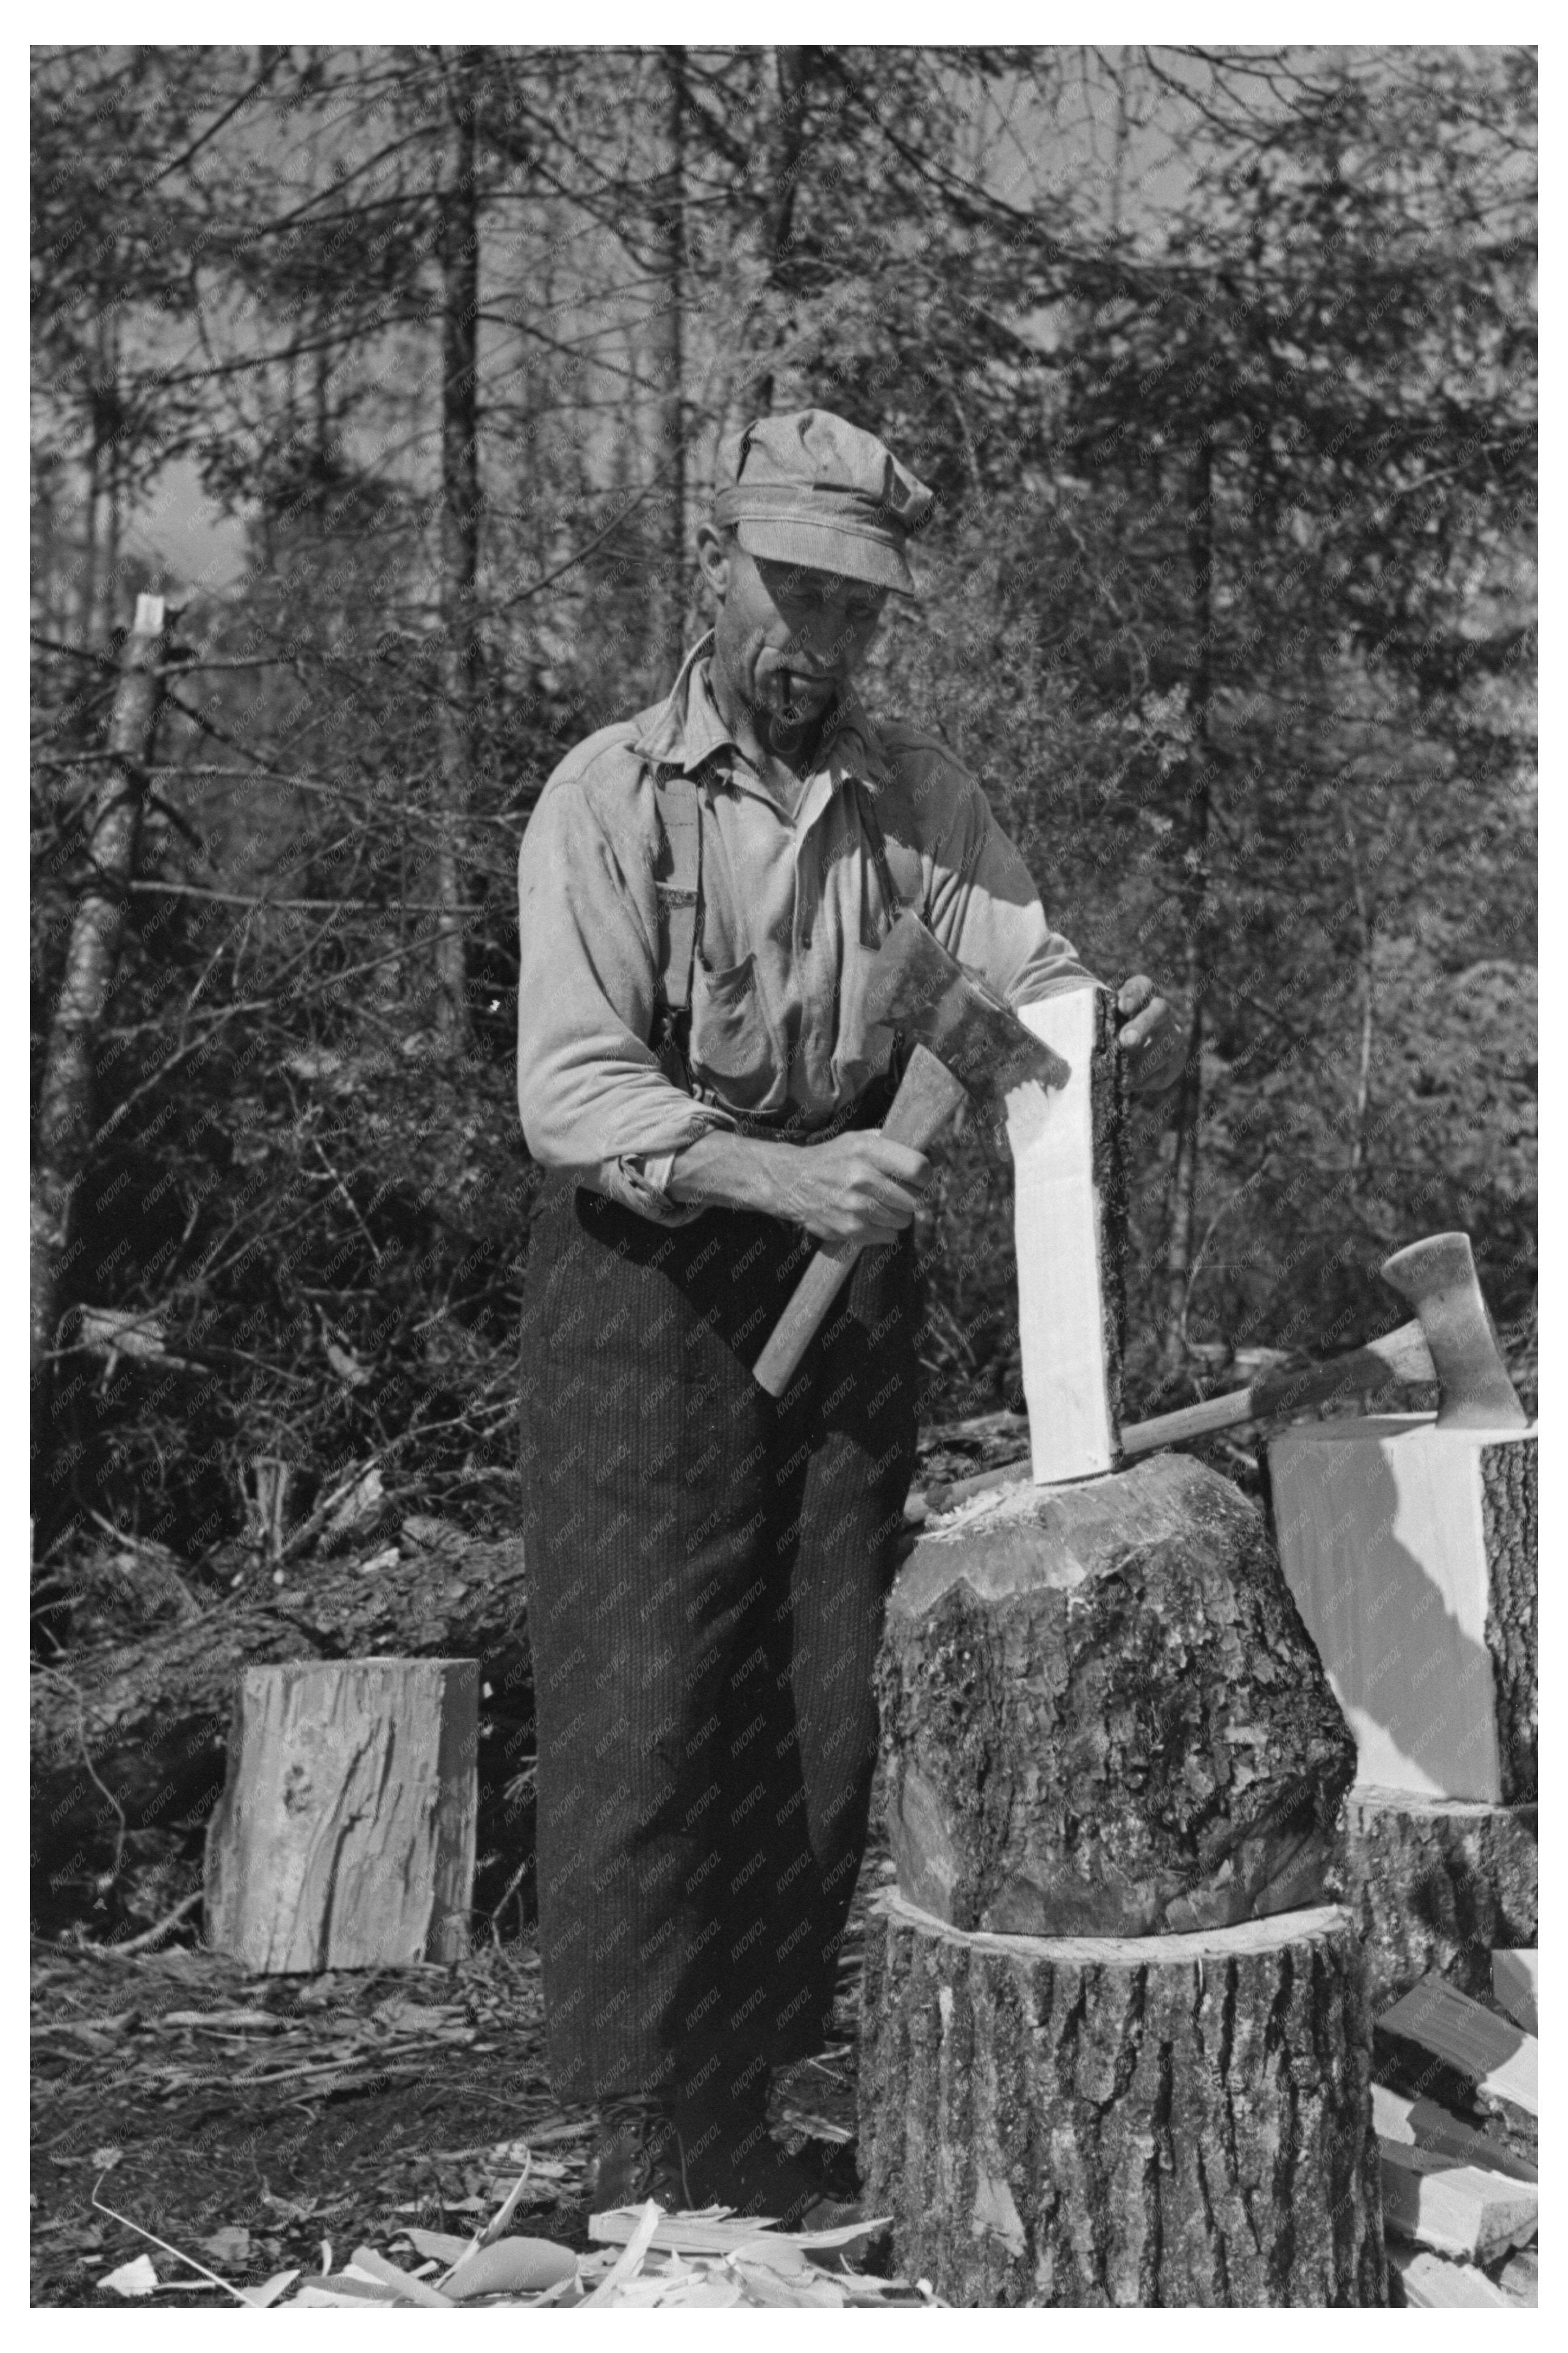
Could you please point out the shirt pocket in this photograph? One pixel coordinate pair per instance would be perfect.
(734, 1047)
(860, 1054)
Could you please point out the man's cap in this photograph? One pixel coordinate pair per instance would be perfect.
(812, 489)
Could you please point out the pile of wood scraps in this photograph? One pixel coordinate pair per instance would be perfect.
(1456, 2108)
(640, 2256)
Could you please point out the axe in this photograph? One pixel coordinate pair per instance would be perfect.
(1453, 1340)
(969, 1042)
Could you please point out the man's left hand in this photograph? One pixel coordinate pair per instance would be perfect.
(1153, 1042)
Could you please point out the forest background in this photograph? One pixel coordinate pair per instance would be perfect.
(1222, 363)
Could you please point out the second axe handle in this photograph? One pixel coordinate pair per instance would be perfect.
(1402, 1356)
(928, 1097)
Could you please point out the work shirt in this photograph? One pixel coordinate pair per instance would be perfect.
(793, 908)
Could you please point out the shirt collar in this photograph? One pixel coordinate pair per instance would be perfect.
(687, 728)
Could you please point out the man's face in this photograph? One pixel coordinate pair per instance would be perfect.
(789, 638)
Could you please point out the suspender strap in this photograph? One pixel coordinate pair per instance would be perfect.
(871, 826)
(678, 882)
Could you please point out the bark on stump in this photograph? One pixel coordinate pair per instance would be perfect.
(1437, 1883)
(1412, 1552)
(1143, 2121)
(345, 1838)
(1102, 1714)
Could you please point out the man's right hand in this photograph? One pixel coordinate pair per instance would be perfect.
(857, 1188)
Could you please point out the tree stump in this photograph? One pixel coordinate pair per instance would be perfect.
(1437, 1885)
(1412, 1553)
(137, 1734)
(1133, 2121)
(1102, 1714)
(345, 1838)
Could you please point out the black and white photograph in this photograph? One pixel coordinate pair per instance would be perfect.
(783, 1377)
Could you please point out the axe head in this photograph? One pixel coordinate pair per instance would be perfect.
(916, 987)
(1437, 1276)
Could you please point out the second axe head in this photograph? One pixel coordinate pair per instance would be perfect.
(1437, 1275)
(916, 987)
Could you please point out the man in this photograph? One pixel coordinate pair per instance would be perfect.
(702, 892)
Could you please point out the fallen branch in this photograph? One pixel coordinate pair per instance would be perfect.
(154, 1934)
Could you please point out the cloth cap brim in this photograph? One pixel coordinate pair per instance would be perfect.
(827, 547)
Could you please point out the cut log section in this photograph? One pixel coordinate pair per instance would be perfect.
(1422, 2123)
(1516, 1988)
(1435, 2042)
(1412, 1552)
(1102, 1714)
(1427, 2283)
(1470, 2211)
(1144, 2121)
(1070, 1221)
(345, 1838)
(1436, 1885)
(1519, 2277)
(136, 1731)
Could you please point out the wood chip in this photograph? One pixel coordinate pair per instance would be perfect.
(226, 2022)
(721, 2233)
(366, 2259)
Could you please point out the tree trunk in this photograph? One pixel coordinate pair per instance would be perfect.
(1153, 2121)
(344, 1838)
(669, 329)
(1182, 1223)
(92, 958)
(1363, 1091)
(789, 71)
(1435, 1883)
(1102, 1714)
(460, 551)
(136, 1731)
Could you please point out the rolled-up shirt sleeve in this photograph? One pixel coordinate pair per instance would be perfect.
(984, 908)
(591, 1092)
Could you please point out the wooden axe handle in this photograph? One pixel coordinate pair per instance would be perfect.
(1402, 1356)
(928, 1097)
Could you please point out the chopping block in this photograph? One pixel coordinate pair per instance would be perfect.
(1412, 1552)
(1102, 1714)
(1115, 2042)
(1115, 2045)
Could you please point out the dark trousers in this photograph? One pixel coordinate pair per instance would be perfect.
(707, 1567)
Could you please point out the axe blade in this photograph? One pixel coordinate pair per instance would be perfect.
(1437, 1276)
(916, 987)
